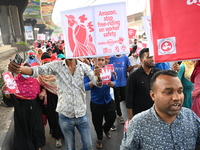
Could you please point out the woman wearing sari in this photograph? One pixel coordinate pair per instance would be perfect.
(186, 69)
(39, 54)
(49, 94)
(195, 78)
(28, 125)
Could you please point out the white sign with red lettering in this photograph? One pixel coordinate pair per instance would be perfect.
(131, 33)
(41, 37)
(95, 31)
(54, 39)
(11, 86)
(106, 73)
(146, 20)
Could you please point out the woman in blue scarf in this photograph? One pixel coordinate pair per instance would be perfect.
(31, 58)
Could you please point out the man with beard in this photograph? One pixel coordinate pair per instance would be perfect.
(166, 125)
(138, 85)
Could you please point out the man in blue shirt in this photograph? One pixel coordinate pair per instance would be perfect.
(101, 105)
(121, 65)
(166, 125)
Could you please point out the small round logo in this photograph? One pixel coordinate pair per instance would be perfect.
(166, 46)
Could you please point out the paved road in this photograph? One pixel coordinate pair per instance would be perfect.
(108, 144)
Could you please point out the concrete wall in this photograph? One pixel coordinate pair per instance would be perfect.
(10, 24)
(5, 24)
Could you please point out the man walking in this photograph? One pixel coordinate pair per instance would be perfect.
(71, 105)
(138, 85)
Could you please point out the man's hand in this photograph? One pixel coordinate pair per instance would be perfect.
(14, 67)
(130, 114)
(97, 71)
(111, 84)
(175, 66)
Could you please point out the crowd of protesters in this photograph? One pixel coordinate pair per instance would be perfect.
(52, 89)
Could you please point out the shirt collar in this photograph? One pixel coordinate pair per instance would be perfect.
(152, 109)
(77, 61)
(142, 70)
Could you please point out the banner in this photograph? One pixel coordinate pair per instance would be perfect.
(29, 32)
(131, 33)
(175, 30)
(95, 31)
(148, 30)
(41, 37)
(11, 86)
(54, 39)
(106, 73)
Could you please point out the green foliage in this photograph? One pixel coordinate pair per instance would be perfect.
(22, 43)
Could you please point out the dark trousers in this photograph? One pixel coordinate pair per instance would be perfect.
(98, 112)
(119, 93)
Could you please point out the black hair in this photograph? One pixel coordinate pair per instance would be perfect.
(49, 49)
(171, 73)
(45, 55)
(144, 50)
(26, 64)
(134, 48)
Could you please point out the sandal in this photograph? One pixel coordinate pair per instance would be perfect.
(121, 121)
(99, 144)
(107, 134)
(58, 143)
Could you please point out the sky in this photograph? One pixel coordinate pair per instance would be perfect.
(133, 6)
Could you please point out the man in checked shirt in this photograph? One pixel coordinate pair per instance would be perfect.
(166, 125)
(71, 104)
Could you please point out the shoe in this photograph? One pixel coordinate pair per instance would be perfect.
(121, 121)
(113, 128)
(58, 143)
(108, 135)
(99, 144)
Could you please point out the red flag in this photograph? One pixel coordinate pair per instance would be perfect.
(131, 33)
(175, 30)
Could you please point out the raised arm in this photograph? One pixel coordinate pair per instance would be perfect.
(15, 68)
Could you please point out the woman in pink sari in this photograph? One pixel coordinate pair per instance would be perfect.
(195, 78)
(28, 126)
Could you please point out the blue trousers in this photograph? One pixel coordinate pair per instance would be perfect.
(68, 125)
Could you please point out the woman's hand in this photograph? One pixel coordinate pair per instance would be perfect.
(3, 89)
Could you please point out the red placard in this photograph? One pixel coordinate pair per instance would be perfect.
(175, 30)
(106, 73)
(11, 86)
(131, 33)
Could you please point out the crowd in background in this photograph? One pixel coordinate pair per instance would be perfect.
(130, 82)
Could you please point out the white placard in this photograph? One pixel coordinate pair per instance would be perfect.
(95, 31)
(148, 30)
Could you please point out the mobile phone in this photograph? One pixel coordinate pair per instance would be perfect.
(18, 59)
